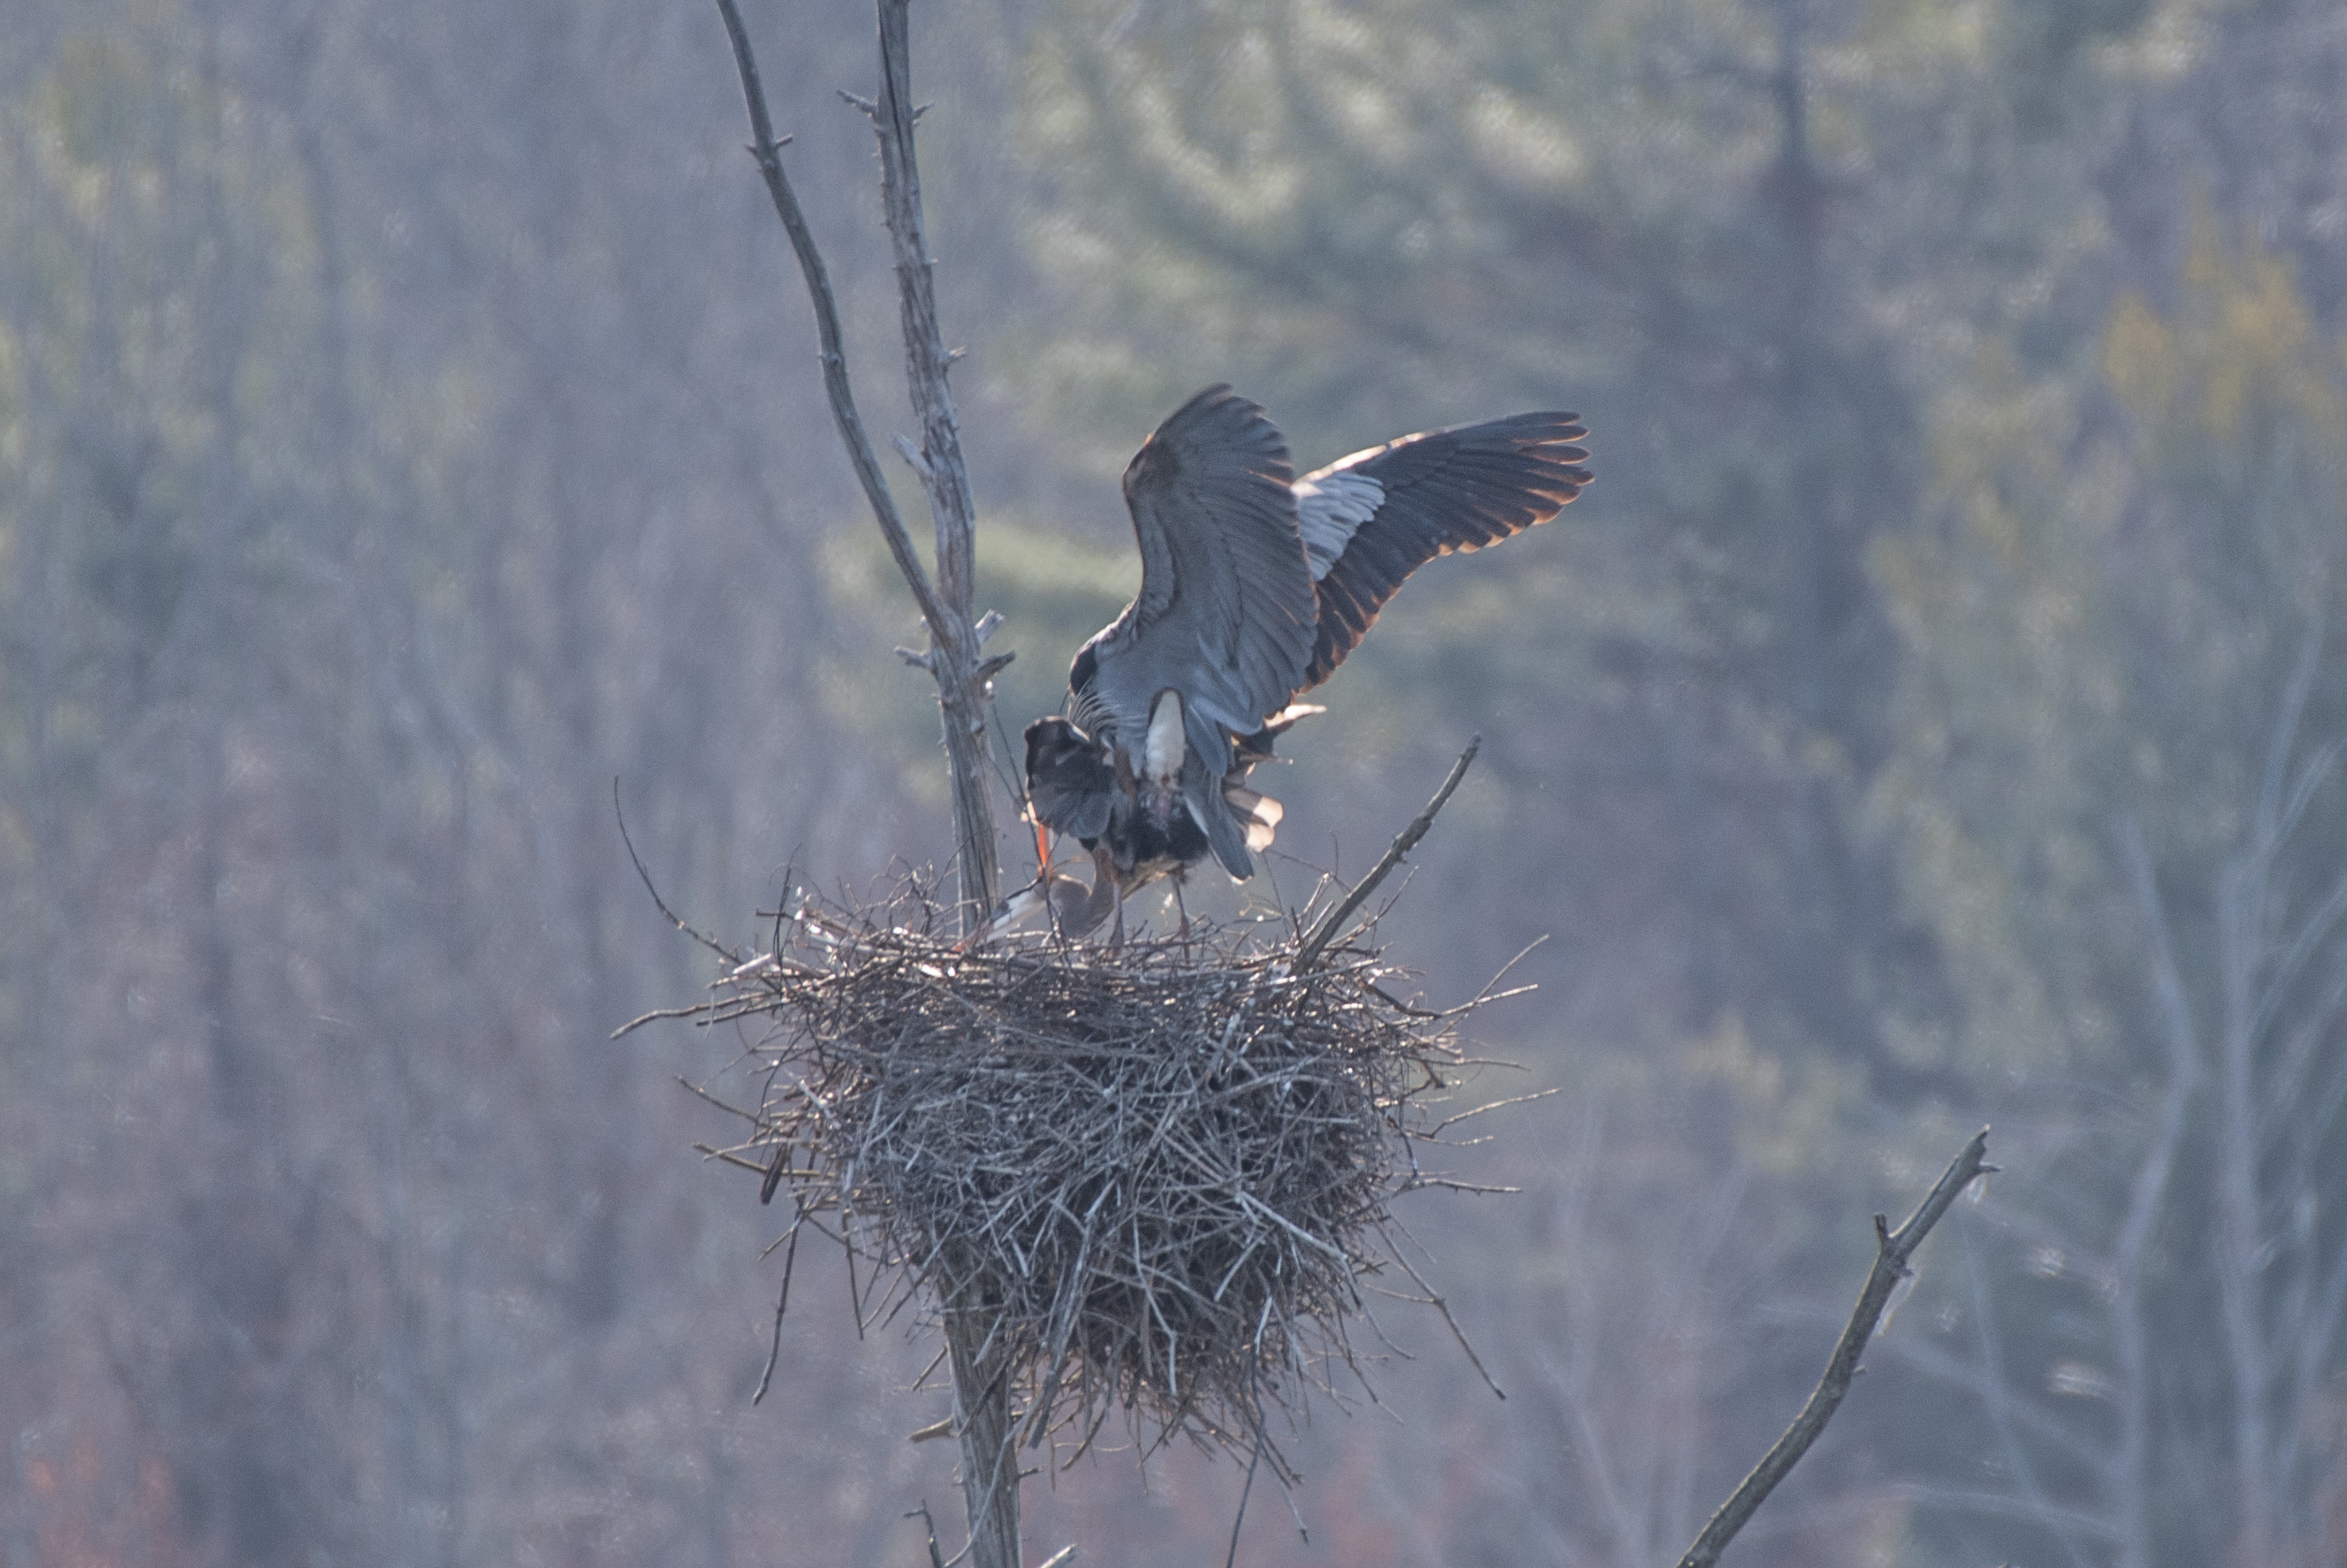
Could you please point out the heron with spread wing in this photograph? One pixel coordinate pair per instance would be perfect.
(1254, 585)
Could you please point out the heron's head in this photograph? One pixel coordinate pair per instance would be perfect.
(1055, 744)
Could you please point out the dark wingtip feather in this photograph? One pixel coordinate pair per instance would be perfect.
(1459, 488)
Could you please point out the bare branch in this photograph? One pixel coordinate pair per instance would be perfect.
(782, 1306)
(2174, 1011)
(1967, 1374)
(2147, 1195)
(946, 604)
(990, 1469)
(767, 150)
(930, 1524)
(1434, 1299)
(1996, 1398)
(911, 454)
(715, 946)
(961, 686)
(944, 473)
(1330, 923)
(2284, 738)
(1997, 1505)
(1892, 1250)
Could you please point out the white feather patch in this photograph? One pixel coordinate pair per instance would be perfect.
(1166, 741)
(1332, 510)
(1259, 814)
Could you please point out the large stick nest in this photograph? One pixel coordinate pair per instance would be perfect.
(1160, 1172)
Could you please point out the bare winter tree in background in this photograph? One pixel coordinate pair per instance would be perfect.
(2225, 1159)
(401, 436)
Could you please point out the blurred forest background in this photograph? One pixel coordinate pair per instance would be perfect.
(409, 423)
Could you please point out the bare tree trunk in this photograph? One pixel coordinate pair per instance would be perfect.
(981, 1381)
(953, 650)
(954, 637)
(990, 1465)
(2241, 1249)
(2267, 1266)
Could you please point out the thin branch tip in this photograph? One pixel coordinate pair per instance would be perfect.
(1892, 1250)
(1404, 842)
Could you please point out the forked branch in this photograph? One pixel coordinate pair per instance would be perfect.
(946, 604)
(768, 151)
(1892, 1251)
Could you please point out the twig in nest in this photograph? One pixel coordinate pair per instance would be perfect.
(781, 1305)
(1406, 841)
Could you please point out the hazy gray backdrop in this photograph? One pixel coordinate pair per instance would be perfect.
(409, 425)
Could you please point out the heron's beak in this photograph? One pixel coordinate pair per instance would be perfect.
(1042, 846)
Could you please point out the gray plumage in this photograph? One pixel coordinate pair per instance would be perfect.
(1371, 520)
(1255, 586)
(1226, 615)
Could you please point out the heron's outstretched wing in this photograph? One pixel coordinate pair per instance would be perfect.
(1226, 609)
(1370, 519)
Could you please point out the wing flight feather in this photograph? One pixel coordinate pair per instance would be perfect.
(1445, 491)
(1226, 607)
